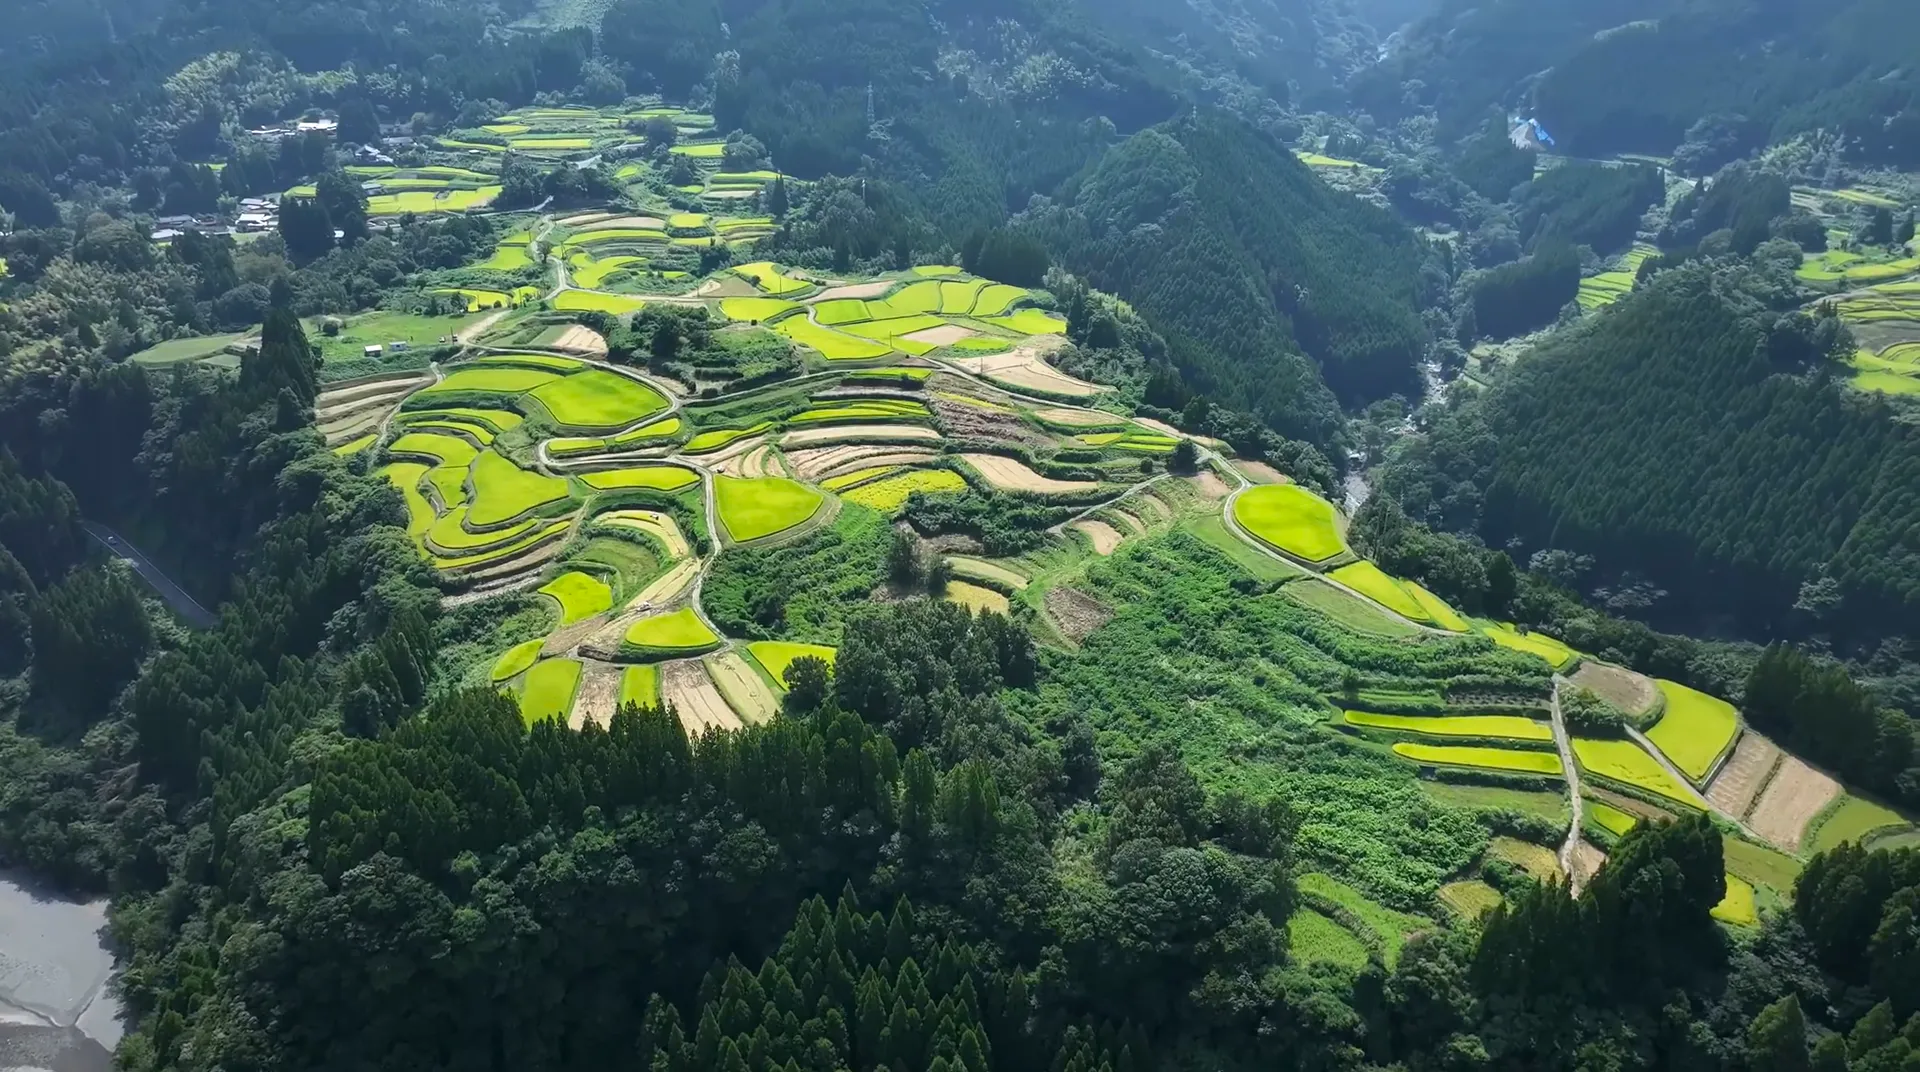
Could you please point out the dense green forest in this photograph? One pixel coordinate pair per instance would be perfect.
(1129, 824)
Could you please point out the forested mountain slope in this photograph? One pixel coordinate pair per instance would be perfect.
(1696, 438)
(1254, 268)
(1636, 76)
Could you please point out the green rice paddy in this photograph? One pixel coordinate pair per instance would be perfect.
(1290, 519)
(406, 477)
(677, 632)
(1610, 818)
(548, 691)
(831, 344)
(1512, 727)
(640, 685)
(580, 595)
(714, 439)
(593, 301)
(1556, 654)
(657, 477)
(503, 491)
(516, 660)
(1499, 759)
(769, 278)
(755, 310)
(753, 509)
(1853, 819)
(490, 380)
(775, 656)
(1737, 907)
(597, 399)
(1625, 762)
(1694, 729)
(1390, 928)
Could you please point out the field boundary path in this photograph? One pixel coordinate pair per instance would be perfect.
(1699, 798)
(183, 604)
(1561, 741)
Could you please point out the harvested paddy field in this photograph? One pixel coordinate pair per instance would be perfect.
(1025, 368)
(655, 524)
(1104, 538)
(1796, 793)
(742, 687)
(981, 569)
(1075, 613)
(860, 431)
(1745, 773)
(1010, 474)
(598, 696)
(1630, 692)
(975, 598)
(690, 693)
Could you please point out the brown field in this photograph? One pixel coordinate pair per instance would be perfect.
(599, 695)
(1026, 366)
(668, 585)
(1733, 790)
(1630, 692)
(379, 404)
(1210, 486)
(1630, 805)
(685, 687)
(982, 567)
(744, 690)
(874, 461)
(655, 524)
(1079, 418)
(585, 218)
(333, 399)
(1587, 860)
(823, 462)
(582, 340)
(1262, 473)
(944, 335)
(864, 431)
(1012, 475)
(1790, 801)
(351, 428)
(1105, 539)
(853, 290)
(644, 223)
(1075, 613)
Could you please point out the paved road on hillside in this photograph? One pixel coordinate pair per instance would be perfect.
(183, 604)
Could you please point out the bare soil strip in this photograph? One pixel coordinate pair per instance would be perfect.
(744, 689)
(378, 389)
(1075, 613)
(981, 567)
(1261, 472)
(875, 461)
(1630, 692)
(1026, 366)
(1079, 418)
(1587, 861)
(582, 340)
(1133, 524)
(1791, 800)
(1210, 486)
(1105, 539)
(643, 223)
(583, 219)
(1741, 777)
(668, 585)
(853, 290)
(944, 335)
(864, 431)
(599, 695)
(1012, 475)
(685, 687)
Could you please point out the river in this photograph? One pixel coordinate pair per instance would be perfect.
(56, 1013)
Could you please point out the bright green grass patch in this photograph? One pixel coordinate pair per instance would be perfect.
(776, 655)
(449, 535)
(892, 493)
(580, 595)
(702, 151)
(1469, 899)
(1437, 610)
(755, 310)
(769, 278)
(751, 509)
(1853, 819)
(506, 129)
(1610, 818)
(1759, 865)
(1318, 160)
(1548, 806)
(1512, 727)
(498, 381)
(680, 631)
(599, 399)
(591, 272)
(503, 491)
(593, 301)
(1290, 519)
(1030, 322)
(1737, 906)
(175, 351)
(861, 476)
(549, 689)
(640, 686)
(689, 221)
(516, 659)
(659, 477)
(1367, 579)
(1556, 654)
(840, 311)
(406, 477)
(716, 438)
(1625, 762)
(1694, 730)
(1389, 926)
(939, 269)
(1314, 939)
(536, 145)
(1501, 759)
(832, 345)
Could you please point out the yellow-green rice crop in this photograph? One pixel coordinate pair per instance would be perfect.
(676, 632)
(406, 476)
(1610, 818)
(598, 399)
(1030, 322)
(640, 685)
(1512, 727)
(891, 494)
(847, 480)
(659, 477)
(584, 301)
(832, 345)
(503, 491)
(1737, 906)
(493, 380)
(449, 535)
(1625, 762)
(716, 438)
(549, 689)
(1291, 519)
(712, 150)
(538, 145)
(1853, 819)
(755, 309)
(1557, 654)
(580, 595)
(777, 655)
(770, 279)
(1367, 579)
(1503, 759)
(516, 659)
(1694, 729)
(751, 509)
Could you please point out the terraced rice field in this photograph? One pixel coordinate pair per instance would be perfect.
(1792, 798)
(516, 660)
(1610, 286)
(1314, 939)
(640, 685)
(1610, 818)
(892, 493)
(406, 477)
(1694, 730)
(449, 534)
(975, 598)
(657, 477)
(1369, 580)
(832, 345)
(661, 429)
(673, 635)
(753, 509)
(500, 380)
(770, 279)
(503, 491)
(580, 596)
(1855, 819)
(775, 656)
(1290, 519)
(1511, 727)
(755, 310)
(1737, 907)
(548, 690)
(1624, 762)
(1557, 655)
(713, 439)
(742, 686)
(597, 302)
(1470, 898)
(1740, 779)
(1010, 474)
(1500, 759)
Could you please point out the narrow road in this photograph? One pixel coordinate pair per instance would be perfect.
(183, 604)
(1136, 489)
(1561, 741)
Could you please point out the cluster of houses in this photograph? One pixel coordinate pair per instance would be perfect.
(289, 130)
(257, 215)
